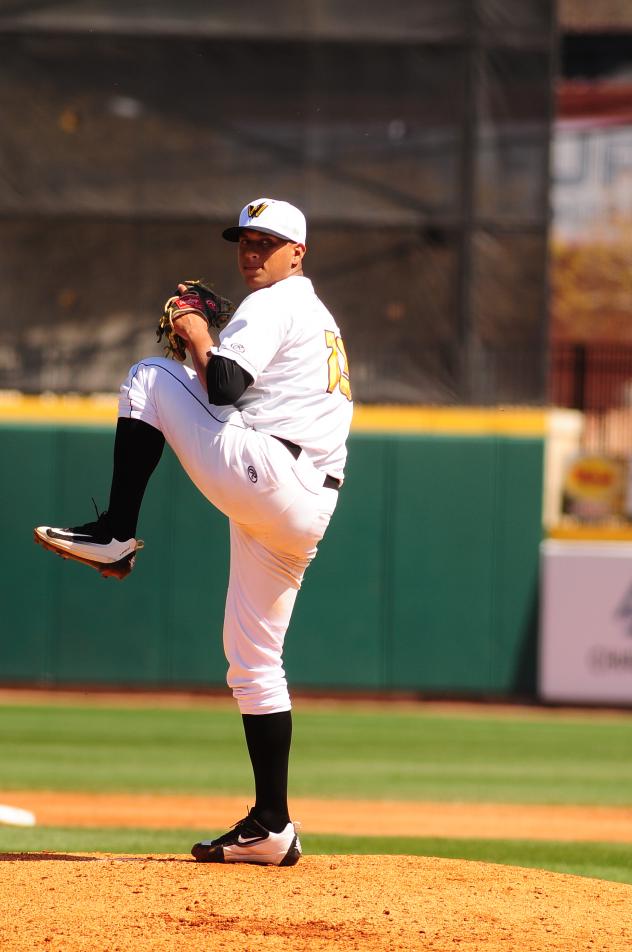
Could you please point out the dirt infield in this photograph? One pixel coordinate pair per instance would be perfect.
(351, 817)
(71, 903)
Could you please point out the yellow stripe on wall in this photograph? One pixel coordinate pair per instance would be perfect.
(101, 410)
(617, 532)
(91, 411)
(458, 420)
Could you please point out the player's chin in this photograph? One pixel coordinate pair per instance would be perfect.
(255, 279)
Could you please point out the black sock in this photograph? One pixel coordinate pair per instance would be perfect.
(269, 737)
(137, 449)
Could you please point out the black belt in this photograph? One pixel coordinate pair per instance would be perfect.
(330, 481)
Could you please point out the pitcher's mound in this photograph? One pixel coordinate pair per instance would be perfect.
(75, 902)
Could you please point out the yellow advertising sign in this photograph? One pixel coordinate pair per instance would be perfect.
(594, 488)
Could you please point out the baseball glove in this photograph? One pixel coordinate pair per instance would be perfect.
(198, 297)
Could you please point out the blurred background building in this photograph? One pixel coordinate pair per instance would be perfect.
(591, 237)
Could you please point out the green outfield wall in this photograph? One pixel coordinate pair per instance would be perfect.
(427, 580)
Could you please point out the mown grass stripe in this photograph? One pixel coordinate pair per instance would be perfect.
(337, 752)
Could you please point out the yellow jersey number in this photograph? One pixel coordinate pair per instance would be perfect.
(338, 365)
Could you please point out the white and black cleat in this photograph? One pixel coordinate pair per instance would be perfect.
(91, 544)
(249, 842)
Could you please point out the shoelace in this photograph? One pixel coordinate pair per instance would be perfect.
(91, 526)
(236, 828)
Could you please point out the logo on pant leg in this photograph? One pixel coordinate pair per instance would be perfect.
(252, 474)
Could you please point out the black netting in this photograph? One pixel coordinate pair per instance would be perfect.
(402, 20)
(415, 137)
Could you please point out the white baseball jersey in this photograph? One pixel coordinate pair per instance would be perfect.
(290, 344)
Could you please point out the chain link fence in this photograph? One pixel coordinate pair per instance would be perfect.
(596, 378)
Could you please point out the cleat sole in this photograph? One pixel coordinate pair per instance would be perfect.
(207, 854)
(119, 570)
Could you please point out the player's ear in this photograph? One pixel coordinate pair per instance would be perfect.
(299, 252)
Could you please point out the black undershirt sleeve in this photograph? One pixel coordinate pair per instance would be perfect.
(225, 381)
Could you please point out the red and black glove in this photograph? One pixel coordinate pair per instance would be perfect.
(198, 298)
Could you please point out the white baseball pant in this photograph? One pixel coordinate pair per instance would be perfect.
(277, 507)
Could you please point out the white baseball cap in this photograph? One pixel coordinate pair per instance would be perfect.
(271, 217)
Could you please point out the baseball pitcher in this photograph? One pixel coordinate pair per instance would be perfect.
(259, 423)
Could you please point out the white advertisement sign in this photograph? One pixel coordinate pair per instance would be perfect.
(586, 622)
(592, 178)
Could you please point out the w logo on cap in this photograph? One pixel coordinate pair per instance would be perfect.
(255, 210)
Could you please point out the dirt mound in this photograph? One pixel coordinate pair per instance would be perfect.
(70, 903)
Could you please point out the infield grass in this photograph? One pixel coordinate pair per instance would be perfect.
(338, 751)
